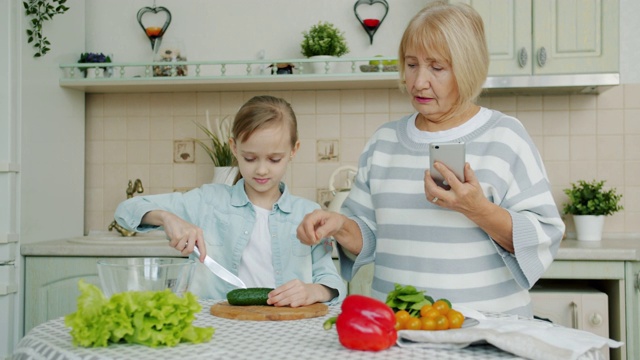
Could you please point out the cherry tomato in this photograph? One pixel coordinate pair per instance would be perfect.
(442, 306)
(433, 312)
(401, 317)
(424, 309)
(428, 323)
(442, 323)
(456, 319)
(413, 323)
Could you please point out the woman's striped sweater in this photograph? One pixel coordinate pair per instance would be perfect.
(415, 242)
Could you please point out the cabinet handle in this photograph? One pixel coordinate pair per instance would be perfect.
(542, 56)
(595, 319)
(523, 56)
(637, 284)
(574, 321)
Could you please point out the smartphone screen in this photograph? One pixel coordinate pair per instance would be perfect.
(450, 154)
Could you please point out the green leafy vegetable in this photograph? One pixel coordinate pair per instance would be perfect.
(152, 318)
(407, 298)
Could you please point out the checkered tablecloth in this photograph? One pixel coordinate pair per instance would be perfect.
(235, 339)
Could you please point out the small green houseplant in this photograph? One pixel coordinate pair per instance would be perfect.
(217, 147)
(323, 39)
(589, 203)
(590, 198)
(217, 144)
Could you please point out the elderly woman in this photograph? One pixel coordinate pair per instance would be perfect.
(481, 243)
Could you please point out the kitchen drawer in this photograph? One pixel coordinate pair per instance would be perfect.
(578, 307)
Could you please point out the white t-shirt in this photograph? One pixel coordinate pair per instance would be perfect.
(256, 268)
(426, 137)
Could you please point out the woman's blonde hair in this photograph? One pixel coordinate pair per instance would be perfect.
(453, 33)
(260, 111)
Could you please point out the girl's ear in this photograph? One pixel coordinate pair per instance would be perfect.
(294, 150)
(232, 145)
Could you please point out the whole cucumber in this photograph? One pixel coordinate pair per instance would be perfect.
(250, 296)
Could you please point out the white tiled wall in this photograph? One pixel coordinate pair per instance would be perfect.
(131, 136)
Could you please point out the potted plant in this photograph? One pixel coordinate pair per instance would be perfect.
(323, 41)
(218, 148)
(589, 203)
(97, 58)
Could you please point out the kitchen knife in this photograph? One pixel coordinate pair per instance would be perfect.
(220, 271)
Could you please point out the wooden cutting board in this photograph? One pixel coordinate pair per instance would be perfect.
(268, 313)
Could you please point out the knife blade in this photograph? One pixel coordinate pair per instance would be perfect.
(220, 271)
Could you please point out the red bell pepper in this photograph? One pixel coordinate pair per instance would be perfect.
(365, 324)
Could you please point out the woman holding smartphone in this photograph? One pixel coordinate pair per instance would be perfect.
(481, 242)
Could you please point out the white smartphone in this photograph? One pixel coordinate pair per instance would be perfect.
(450, 154)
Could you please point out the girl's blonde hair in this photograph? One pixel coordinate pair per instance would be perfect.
(260, 111)
(453, 33)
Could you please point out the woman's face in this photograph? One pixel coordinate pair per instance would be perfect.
(262, 161)
(432, 85)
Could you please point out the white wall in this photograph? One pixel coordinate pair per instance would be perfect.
(236, 30)
(52, 133)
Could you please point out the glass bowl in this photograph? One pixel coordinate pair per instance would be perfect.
(145, 274)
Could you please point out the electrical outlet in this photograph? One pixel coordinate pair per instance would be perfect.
(184, 151)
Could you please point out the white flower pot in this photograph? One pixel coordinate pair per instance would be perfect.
(589, 227)
(224, 174)
(93, 73)
(323, 64)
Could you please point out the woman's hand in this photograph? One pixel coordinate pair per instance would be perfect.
(321, 224)
(183, 236)
(318, 225)
(296, 293)
(468, 199)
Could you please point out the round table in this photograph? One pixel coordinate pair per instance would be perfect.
(236, 339)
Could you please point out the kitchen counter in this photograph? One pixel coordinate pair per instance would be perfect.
(611, 248)
(155, 244)
(103, 244)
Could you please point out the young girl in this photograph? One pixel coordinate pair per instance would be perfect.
(250, 227)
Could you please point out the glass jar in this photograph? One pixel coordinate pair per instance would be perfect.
(170, 51)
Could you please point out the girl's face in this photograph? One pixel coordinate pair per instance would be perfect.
(432, 86)
(262, 161)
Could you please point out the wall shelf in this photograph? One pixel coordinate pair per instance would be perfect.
(254, 75)
(247, 75)
(234, 83)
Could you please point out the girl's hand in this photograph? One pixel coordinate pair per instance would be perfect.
(183, 235)
(319, 224)
(296, 293)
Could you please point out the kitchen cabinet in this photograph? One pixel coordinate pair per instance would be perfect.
(578, 307)
(51, 286)
(544, 37)
(53, 268)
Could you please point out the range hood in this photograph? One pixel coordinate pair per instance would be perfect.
(550, 84)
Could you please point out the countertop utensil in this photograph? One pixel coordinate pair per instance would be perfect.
(220, 271)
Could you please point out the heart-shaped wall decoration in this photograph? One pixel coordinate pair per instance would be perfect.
(371, 25)
(154, 32)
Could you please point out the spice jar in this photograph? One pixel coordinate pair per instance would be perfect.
(170, 51)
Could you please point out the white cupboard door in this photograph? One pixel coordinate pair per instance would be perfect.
(575, 36)
(507, 27)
